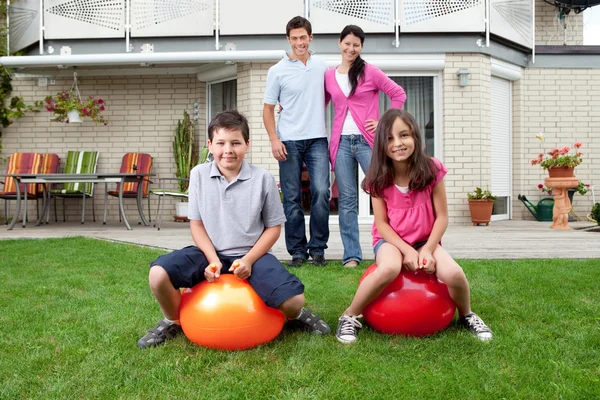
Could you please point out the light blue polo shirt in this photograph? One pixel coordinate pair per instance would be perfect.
(300, 89)
(235, 214)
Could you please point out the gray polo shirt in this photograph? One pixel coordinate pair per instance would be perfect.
(235, 213)
(300, 89)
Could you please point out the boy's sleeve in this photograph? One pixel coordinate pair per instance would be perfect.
(272, 213)
(194, 194)
(272, 87)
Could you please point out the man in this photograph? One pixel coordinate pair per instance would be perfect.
(297, 83)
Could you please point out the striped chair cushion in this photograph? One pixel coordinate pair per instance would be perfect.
(22, 163)
(79, 162)
(143, 163)
(49, 165)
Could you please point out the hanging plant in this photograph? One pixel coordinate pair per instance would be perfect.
(69, 106)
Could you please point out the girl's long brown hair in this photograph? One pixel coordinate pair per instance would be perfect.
(381, 173)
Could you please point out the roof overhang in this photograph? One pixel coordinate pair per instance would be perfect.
(140, 59)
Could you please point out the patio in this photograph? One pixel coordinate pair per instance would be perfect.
(500, 240)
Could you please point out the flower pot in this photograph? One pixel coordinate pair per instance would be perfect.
(181, 209)
(561, 172)
(481, 211)
(74, 117)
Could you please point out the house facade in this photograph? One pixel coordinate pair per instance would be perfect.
(525, 67)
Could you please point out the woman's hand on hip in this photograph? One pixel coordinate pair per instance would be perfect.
(371, 125)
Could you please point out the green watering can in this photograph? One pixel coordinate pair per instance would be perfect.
(543, 210)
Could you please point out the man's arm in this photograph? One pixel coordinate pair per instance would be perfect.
(278, 148)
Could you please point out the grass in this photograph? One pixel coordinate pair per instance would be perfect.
(71, 311)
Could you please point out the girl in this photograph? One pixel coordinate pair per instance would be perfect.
(354, 88)
(411, 216)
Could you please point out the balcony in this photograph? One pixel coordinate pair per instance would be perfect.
(64, 21)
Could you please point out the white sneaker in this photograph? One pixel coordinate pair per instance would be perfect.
(347, 329)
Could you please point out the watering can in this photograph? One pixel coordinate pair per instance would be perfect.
(542, 211)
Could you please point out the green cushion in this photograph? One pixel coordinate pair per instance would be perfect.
(80, 162)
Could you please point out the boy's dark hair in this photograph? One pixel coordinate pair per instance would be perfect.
(298, 23)
(231, 120)
(381, 173)
(357, 70)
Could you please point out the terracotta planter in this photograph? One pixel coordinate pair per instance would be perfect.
(481, 211)
(561, 172)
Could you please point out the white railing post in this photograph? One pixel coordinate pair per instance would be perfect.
(8, 27)
(42, 29)
(397, 22)
(487, 23)
(533, 31)
(127, 24)
(307, 9)
(217, 25)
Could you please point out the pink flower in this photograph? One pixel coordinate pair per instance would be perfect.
(100, 101)
(84, 111)
(564, 150)
(579, 153)
(540, 186)
(577, 145)
(101, 108)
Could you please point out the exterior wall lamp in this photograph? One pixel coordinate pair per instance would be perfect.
(463, 76)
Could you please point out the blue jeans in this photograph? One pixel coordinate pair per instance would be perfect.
(353, 150)
(313, 153)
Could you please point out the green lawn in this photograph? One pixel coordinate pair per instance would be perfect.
(71, 311)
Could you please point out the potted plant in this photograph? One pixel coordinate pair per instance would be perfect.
(559, 161)
(481, 205)
(69, 107)
(185, 152)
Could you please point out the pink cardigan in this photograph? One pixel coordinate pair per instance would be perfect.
(363, 105)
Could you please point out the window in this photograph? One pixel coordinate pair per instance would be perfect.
(222, 96)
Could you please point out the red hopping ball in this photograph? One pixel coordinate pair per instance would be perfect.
(228, 314)
(414, 304)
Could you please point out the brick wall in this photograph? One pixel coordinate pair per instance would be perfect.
(559, 103)
(142, 112)
(549, 26)
(466, 131)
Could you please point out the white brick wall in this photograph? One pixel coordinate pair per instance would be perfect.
(466, 131)
(561, 103)
(549, 26)
(142, 112)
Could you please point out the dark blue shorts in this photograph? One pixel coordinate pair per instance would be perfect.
(269, 278)
(415, 246)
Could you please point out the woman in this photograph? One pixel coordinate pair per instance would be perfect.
(354, 88)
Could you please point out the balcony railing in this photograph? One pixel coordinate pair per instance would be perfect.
(32, 21)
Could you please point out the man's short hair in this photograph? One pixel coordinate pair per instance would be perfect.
(298, 23)
(231, 120)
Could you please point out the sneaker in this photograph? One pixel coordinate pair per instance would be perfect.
(296, 262)
(319, 260)
(351, 264)
(476, 325)
(313, 323)
(164, 331)
(347, 329)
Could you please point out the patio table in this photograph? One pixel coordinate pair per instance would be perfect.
(47, 179)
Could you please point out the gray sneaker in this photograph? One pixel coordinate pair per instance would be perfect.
(313, 323)
(347, 329)
(164, 331)
(476, 325)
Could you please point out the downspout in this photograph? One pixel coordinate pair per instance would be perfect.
(487, 23)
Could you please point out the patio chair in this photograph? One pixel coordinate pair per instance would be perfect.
(49, 165)
(78, 162)
(20, 163)
(132, 163)
(164, 192)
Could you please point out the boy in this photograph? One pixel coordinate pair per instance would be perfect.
(235, 216)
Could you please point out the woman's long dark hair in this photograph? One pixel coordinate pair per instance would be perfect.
(381, 173)
(357, 70)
